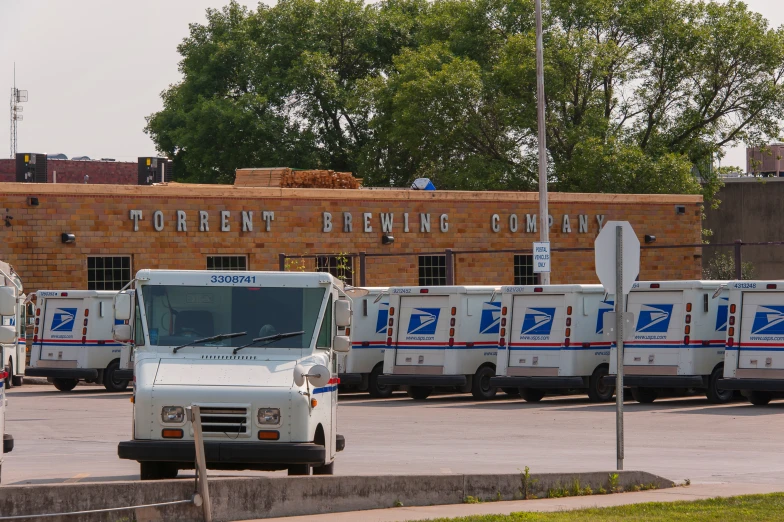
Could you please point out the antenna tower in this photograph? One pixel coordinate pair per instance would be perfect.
(17, 96)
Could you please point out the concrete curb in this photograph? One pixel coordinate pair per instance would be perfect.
(265, 497)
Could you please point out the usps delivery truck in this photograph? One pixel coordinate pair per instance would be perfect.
(678, 339)
(8, 334)
(551, 340)
(364, 364)
(73, 341)
(442, 337)
(754, 359)
(256, 351)
(13, 352)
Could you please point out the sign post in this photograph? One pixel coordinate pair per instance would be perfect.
(542, 257)
(618, 237)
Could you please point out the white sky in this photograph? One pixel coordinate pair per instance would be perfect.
(95, 68)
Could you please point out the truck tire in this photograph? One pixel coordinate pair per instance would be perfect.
(419, 393)
(17, 380)
(376, 390)
(645, 395)
(532, 394)
(714, 394)
(157, 470)
(65, 385)
(109, 382)
(598, 390)
(326, 469)
(759, 398)
(480, 387)
(299, 469)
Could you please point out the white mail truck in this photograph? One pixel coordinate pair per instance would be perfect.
(678, 339)
(13, 352)
(255, 351)
(551, 340)
(364, 364)
(754, 359)
(9, 302)
(73, 340)
(442, 337)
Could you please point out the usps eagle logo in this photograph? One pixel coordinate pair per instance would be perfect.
(538, 321)
(604, 307)
(383, 318)
(654, 318)
(769, 320)
(490, 322)
(423, 321)
(63, 319)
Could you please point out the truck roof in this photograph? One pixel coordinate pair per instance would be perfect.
(677, 285)
(202, 278)
(551, 289)
(441, 290)
(757, 286)
(75, 293)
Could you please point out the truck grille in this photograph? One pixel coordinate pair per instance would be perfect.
(229, 421)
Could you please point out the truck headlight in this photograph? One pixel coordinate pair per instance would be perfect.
(172, 414)
(269, 416)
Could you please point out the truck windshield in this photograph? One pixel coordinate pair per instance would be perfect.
(178, 315)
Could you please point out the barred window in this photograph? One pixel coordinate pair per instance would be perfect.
(524, 270)
(108, 273)
(432, 270)
(340, 266)
(227, 262)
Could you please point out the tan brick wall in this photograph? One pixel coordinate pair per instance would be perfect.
(99, 217)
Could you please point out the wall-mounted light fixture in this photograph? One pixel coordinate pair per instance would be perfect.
(680, 209)
(387, 239)
(68, 238)
(650, 239)
(33, 202)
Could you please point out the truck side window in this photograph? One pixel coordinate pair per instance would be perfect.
(138, 333)
(324, 340)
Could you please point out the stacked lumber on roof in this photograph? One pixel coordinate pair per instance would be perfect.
(290, 178)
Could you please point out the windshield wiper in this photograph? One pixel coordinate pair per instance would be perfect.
(219, 337)
(269, 339)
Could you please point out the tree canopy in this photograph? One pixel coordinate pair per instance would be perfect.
(641, 95)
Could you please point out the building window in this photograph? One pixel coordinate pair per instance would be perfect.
(340, 266)
(227, 262)
(432, 270)
(108, 273)
(524, 270)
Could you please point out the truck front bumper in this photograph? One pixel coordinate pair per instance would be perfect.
(62, 373)
(8, 443)
(226, 452)
(422, 380)
(659, 381)
(542, 383)
(772, 385)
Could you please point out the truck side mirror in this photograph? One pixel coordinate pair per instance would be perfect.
(7, 301)
(7, 334)
(341, 343)
(122, 307)
(343, 313)
(122, 332)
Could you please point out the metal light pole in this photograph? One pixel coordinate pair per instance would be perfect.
(544, 214)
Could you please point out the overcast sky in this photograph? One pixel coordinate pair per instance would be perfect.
(95, 68)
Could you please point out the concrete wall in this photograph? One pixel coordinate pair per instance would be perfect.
(100, 218)
(264, 497)
(752, 210)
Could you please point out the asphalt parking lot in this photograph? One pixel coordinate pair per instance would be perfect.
(72, 437)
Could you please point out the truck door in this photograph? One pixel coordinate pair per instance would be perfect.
(422, 334)
(761, 338)
(658, 334)
(61, 340)
(537, 331)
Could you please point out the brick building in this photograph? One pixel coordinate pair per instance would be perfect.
(117, 230)
(101, 172)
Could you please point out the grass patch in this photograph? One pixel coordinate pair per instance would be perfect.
(761, 508)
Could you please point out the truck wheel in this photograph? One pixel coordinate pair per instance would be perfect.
(65, 385)
(376, 390)
(598, 390)
(419, 393)
(645, 395)
(715, 395)
(532, 394)
(17, 380)
(759, 398)
(326, 469)
(299, 469)
(110, 382)
(158, 470)
(480, 388)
